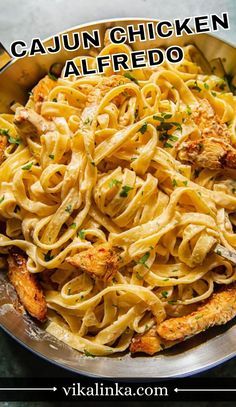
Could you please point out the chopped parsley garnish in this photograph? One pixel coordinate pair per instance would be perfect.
(131, 77)
(133, 158)
(168, 145)
(51, 156)
(73, 225)
(125, 191)
(188, 110)
(69, 291)
(143, 129)
(143, 259)
(13, 140)
(2, 199)
(164, 294)
(174, 183)
(54, 100)
(172, 302)
(88, 121)
(196, 87)
(27, 167)
(185, 183)
(161, 119)
(68, 208)
(51, 76)
(206, 86)
(48, 257)
(114, 182)
(178, 125)
(218, 251)
(198, 317)
(87, 353)
(213, 93)
(81, 234)
(165, 279)
(139, 277)
(4, 132)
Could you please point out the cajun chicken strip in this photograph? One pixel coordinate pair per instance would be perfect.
(150, 342)
(100, 261)
(3, 145)
(219, 309)
(30, 123)
(27, 287)
(213, 149)
(41, 91)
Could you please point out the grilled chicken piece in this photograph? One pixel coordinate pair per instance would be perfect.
(3, 145)
(213, 149)
(105, 85)
(100, 261)
(27, 287)
(150, 342)
(219, 309)
(30, 123)
(41, 91)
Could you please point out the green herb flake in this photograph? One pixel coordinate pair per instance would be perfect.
(73, 225)
(125, 191)
(168, 145)
(87, 353)
(164, 294)
(171, 302)
(13, 140)
(198, 316)
(196, 87)
(218, 251)
(188, 110)
(4, 132)
(114, 183)
(185, 183)
(174, 183)
(133, 159)
(159, 118)
(213, 93)
(68, 291)
(143, 129)
(206, 86)
(51, 156)
(88, 121)
(167, 116)
(54, 100)
(131, 77)
(51, 76)
(143, 259)
(165, 279)
(2, 199)
(68, 208)
(48, 257)
(27, 167)
(81, 234)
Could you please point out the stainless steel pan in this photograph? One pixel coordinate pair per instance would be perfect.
(195, 355)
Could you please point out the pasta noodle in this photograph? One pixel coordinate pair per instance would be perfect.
(103, 167)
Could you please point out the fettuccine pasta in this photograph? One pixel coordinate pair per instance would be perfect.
(98, 161)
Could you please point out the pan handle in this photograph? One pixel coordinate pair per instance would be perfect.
(5, 57)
